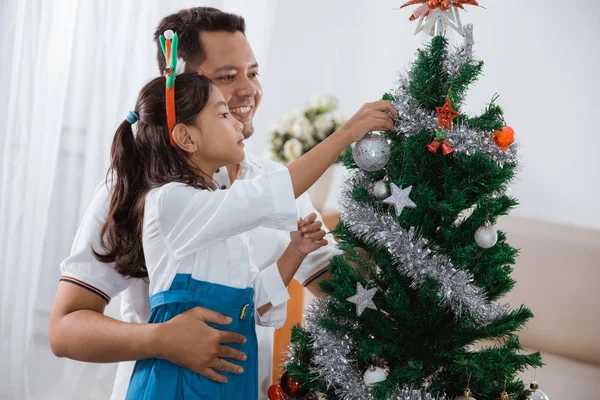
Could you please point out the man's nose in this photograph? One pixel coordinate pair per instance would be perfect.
(246, 88)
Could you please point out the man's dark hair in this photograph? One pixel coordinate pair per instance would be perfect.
(188, 24)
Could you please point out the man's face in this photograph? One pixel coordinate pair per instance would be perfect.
(231, 66)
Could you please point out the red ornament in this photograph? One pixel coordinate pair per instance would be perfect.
(446, 149)
(433, 3)
(445, 5)
(440, 141)
(276, 393)
(446, 114)
(505, 137)
(292, 387)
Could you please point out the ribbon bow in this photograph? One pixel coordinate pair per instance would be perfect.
(441, 140)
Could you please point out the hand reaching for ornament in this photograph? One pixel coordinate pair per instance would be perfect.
(375, 116)
(310, 235)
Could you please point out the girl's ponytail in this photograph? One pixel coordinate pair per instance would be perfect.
(122, 231)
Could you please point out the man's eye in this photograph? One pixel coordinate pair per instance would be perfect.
(254, 75)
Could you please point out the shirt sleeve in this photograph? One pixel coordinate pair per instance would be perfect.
(269, 288)
(190, 219)
(316, 263)
(81, 267)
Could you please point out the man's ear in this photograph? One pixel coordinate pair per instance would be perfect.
(183, 138)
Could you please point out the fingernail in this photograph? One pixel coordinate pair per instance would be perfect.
(244, 357)
(244, 340)
(228, 319)
(303, 229)
(240, 370)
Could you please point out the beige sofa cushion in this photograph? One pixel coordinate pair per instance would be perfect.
(558, 278)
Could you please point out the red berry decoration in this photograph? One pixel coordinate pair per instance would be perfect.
(292, 387)
(505, 137)
(276, 393)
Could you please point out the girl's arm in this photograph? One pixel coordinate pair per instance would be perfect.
(307, 239)
(190, 219)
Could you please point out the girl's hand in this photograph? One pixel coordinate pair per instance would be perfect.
(309, 236)
(375, 116)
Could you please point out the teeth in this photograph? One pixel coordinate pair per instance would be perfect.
(241, 110)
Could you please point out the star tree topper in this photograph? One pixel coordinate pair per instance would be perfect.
(446, 11)
(399, 198)
(363, 299)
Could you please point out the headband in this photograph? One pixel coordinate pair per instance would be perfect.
(168, 44)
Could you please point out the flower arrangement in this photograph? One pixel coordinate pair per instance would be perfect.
(295, 134)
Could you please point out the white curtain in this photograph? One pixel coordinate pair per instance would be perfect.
(71, 71)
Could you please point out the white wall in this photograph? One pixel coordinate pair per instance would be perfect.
(540, 57)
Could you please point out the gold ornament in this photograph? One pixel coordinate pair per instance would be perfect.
(467, 395)
(504, 396)
(168, 71)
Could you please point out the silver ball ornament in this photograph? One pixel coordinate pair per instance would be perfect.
(536, 393)
(374, 375)
(381, 190)
(372, 152)
(486, 237)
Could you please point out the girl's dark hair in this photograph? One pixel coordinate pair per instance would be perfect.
(145, 161)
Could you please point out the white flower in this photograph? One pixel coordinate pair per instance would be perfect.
(283, 125)
(303, 129)
(323, 125)
(323, 103)
(292, 150)
(277, 141)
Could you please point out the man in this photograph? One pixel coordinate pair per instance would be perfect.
(212, 43)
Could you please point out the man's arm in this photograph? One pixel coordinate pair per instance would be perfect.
(79, 330)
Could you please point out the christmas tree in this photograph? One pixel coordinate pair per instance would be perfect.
(414, 306)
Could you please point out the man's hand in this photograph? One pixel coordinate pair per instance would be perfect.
(310, 235)
(188, 341)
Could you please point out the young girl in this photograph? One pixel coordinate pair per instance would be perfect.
(169, 222)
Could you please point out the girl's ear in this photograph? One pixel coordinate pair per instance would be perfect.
(184, 139)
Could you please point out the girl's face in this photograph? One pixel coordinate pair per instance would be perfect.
(216, 139)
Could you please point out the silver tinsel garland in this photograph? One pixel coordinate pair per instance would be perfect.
(456, 60)
(414, 119)
(333, 363)
(415, 260)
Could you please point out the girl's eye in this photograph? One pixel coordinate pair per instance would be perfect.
(224, 115)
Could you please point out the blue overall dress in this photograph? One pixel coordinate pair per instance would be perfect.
(158, 379)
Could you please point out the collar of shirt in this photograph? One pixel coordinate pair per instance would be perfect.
(248, 170)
